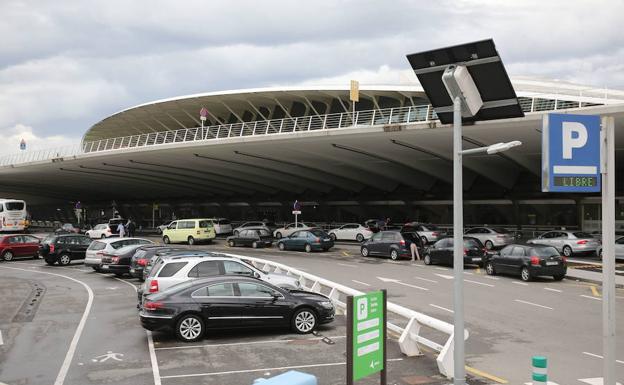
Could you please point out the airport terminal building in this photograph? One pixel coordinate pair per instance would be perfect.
(260, 149)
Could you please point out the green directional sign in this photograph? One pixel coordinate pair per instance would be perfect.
(368, 334)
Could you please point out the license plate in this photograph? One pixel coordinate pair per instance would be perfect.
(131, 271)
(105, 267)
(327, 239)
(551, 263)
(476, 259)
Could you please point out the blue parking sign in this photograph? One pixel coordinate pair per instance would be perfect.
(571, 153)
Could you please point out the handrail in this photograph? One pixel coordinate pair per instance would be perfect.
(410, 334)
(344, 120)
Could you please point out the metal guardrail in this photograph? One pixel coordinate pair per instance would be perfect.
(411, 333)
(368, 118)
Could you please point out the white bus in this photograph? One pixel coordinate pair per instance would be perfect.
(12, 215)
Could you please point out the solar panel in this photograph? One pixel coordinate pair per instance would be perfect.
(487, 70)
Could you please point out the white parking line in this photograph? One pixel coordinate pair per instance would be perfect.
(590, 297)
(152, 353)
(345, 264)
(60, 378)
(248, 343)
(267, 369)
(1, 341)
(555, 290)
(360, 282)
(490, 277)
(426, 280)
(478, 283)
(520, 283)
(533, 304)
(441, 308)
(601, 357)
(441, 268)
(126, 282)
(469, 273)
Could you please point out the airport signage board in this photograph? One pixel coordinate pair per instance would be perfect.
(366, 342)
(571, 153)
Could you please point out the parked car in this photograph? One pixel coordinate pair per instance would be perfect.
(118, 261)
(174, 269)
(441, 252)
(103, 230)
(351, 232)
(270, 225)
(568, 242)
(141, 259)
(63, 248)
(619, 248)
(166, 252)
(114, 223)
(19, 246)
(375, 225)
(247, 225)
(527, 261)
(189, 231)
(68, 228)
(95, 251)
(218, 303)
(307, 240)
(291, 228)
(161, 228)
(491, 237)
(391, 243)
(428, 233)
(221, 225)
(258, 237)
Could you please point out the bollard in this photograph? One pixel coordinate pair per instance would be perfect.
(540, 370)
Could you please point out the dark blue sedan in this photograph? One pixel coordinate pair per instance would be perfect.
(307, 240)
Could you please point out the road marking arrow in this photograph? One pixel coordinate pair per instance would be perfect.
(444, 276)
(401, 283)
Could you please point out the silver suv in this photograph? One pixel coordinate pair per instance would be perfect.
(171, 270)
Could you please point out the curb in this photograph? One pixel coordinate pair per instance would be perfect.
(595, 281)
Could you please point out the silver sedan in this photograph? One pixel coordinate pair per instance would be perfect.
(619, 248)
(568, 242)
(491, 237)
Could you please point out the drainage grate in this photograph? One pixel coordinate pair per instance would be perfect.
(28, 309)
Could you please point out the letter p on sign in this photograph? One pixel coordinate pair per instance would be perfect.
(574, 135)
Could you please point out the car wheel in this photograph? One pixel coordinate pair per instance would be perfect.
(231, 243)
(191, 241)
(119, 275)
(558, 277)
(567, 251)
(50, 261)
(364, 252)
(489, 269)
(359, 238)
(166, 240)
(64, 260)
(304, 321)
(394, 255)
(8, 256)
(600, 254)
(36, 256)
(158, 231)
(103, 236)
(427, 259)
(525, 274)
(254, 245)
(189, 328)
(489, 245)
(308, 248)
(424, 240)
(278, 235)
(281, 246)
(333, 236)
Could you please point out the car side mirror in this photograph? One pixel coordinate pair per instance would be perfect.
(256, 274)
(275, 296)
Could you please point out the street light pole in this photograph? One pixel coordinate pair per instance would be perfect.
(459, 372)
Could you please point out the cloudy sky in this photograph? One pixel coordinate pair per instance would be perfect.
(64, 65)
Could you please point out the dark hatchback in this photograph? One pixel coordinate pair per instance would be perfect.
(393, 244)
(441, 252)
(64, 248)
(251, 237)
(190, 308)
(307, 240)
(528, 262)
(142, 257)
(119, 262)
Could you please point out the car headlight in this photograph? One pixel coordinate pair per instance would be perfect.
(327, 304)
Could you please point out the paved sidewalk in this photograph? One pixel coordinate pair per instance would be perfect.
(591, 276)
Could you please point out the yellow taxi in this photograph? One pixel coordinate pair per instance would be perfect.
(189, 231)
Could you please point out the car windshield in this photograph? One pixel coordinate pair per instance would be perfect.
(49, 239)
(500, 230)
(205, 224)
(471, 243)
(581, 234)
(97, 245)
(263, 233)
(545, 252)
(431, 227)
(409, 236)
(14, 206)
(318, 232)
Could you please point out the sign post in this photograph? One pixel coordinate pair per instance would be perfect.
(366, 336)
(578, 155)
(203, 114)
(354, 96)
(296, 211)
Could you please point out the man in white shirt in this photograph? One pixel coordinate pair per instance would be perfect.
(121, 230)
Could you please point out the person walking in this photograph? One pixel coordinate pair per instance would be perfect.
(121, 229)
(131, 227)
